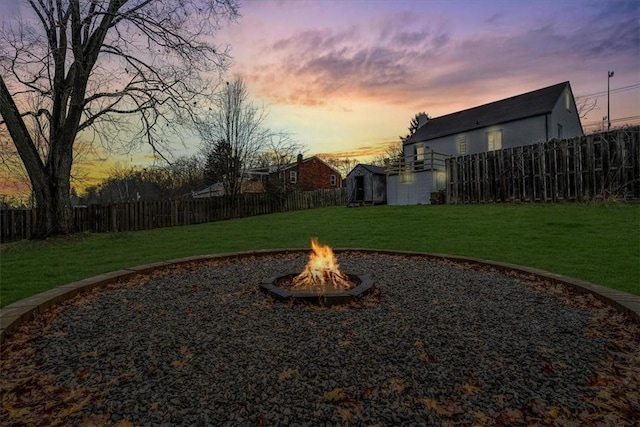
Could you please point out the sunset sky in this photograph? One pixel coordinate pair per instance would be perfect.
(346, 77)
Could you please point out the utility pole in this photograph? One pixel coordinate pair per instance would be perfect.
(610, 74)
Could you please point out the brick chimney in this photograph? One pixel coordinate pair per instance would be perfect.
(299, 159)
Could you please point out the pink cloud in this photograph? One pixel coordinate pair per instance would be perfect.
(423, 52)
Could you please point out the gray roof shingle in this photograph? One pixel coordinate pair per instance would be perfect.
(535, 103)
(378, 170)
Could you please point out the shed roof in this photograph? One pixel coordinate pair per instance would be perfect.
(530, 104)
(376, 170)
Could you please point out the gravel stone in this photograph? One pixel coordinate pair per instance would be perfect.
(200, 345)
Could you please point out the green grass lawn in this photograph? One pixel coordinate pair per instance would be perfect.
(597, 242)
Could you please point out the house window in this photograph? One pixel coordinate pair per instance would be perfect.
(494, 140)
(462, 144)
(567, 100)
(333, 180)
(560, 131)
(419, 152)
(293, 177)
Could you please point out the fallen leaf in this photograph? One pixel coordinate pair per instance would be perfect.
(429, 403)
(345, 414)
(444, 411)
(547, 368)
(398, 385)
(262, 419)
(76, 407)
(178, 363)
(468, 389)
(336, 395)
(482, 418)
(287, 373)
(433, 405)
(427, 357)
(510, 415)
(82, 372)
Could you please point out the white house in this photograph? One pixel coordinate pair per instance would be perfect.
(525, 119)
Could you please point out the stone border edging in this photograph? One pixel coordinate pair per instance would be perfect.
(19, 312)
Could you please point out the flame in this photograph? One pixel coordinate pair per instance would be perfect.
(322, 270)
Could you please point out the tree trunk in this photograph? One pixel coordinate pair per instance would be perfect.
(53, 201)
(55, 215)
(54, 211)
(51, 82)
(50, 182)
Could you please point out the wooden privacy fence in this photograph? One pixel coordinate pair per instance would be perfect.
(20, 224)
(599, 166)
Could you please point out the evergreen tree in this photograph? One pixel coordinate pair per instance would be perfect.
(416, 122)
(221, 163)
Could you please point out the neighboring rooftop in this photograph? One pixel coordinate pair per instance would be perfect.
(530, 104)
(371, 168)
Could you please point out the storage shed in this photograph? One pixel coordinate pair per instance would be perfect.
(366, 184)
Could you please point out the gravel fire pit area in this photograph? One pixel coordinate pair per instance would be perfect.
(435, 343)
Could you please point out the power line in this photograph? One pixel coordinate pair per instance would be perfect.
(622, 119)
(604, 92)
(616, 120)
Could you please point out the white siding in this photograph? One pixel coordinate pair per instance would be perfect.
(416, 192)
(514, 134)
(567, 118)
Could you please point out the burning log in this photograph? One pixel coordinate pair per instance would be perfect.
(322, 271)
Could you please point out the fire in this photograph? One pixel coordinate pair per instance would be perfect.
(321, 271)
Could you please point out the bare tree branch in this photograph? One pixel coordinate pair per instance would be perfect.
(95, 66)
(585, 106)
(235, 131)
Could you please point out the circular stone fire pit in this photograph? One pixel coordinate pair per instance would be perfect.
(278, 289)
(194, 342)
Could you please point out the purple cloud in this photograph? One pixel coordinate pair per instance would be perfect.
(433, 60)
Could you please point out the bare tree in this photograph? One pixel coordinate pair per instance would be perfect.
(186, 175)
(342, 165)
(163, 182)
(235, 130)
(13, 178)
(279, 150)
(394, 153)
(585, 106)
(122, 71)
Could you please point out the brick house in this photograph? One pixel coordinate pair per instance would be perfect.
(306, 174)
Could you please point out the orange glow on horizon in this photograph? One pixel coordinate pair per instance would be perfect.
(345, 81)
